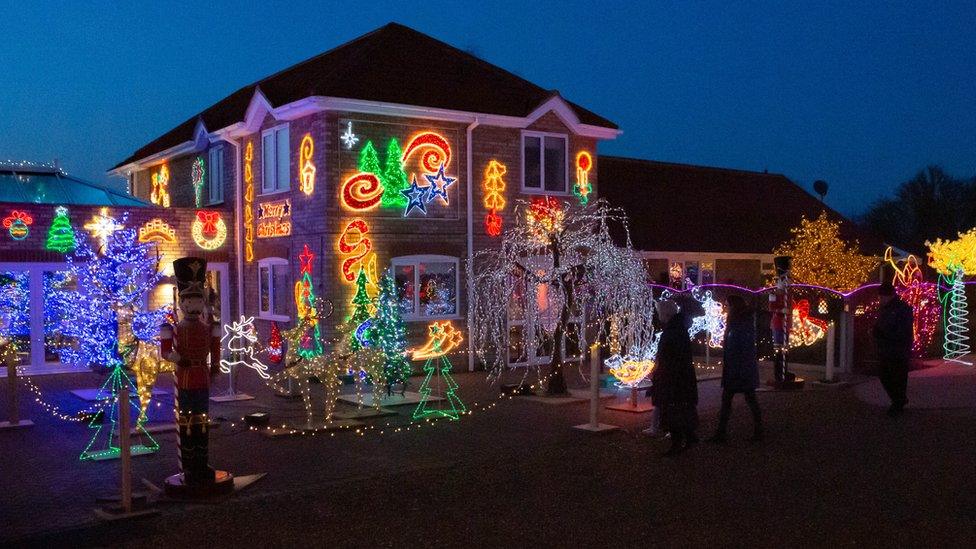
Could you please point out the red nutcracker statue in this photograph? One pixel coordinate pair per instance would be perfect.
(189, 344)
(779, 324)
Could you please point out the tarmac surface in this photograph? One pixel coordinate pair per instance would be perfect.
(833, 470)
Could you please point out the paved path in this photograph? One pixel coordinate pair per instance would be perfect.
(947, 385)
(833, 471)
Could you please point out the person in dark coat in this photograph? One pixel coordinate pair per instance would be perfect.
(894, 334)
(740, 369)
(675, 387)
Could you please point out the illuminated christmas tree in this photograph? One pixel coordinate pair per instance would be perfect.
(275, 351)
(60, 237)
(389, 334)
(394, 178)
(953, 260)
(822, 258)
(443, 339)
(369, 161)
(361, 303)
(311, 341)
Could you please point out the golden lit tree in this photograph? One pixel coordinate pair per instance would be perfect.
(822, 257)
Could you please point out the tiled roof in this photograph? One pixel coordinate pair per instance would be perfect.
(393, 64)
(680, 207)
(42, 184)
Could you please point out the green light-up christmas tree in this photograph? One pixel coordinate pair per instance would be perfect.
(443, 339)
(394, 177)
(389, 335)
(369, 161)
(361, 303)
(60, 237)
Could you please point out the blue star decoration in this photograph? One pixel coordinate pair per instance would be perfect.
(416, 197)
(441, 190)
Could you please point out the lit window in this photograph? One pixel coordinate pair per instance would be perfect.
(544, 162)
(275, 165)
(427, 285)
(274, 289)
(215, 176)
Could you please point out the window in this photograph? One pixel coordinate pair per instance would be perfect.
(274, 160)
(544, 167)
(215, 177)
(427, 285)
(274, 289)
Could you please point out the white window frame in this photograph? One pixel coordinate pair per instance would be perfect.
(276, 187)
(542, 162)
(271, 263)
(415, 261)
(215, 176)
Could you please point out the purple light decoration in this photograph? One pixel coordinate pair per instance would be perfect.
(768, 288)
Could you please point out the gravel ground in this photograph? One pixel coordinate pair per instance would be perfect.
(832, 471)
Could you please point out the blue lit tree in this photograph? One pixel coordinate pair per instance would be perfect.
(103, 323)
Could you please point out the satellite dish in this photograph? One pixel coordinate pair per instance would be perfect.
(820, 187)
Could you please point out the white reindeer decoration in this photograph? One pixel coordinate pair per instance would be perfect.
(240, 339)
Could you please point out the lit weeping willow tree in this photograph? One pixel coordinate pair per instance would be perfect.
(565, 255)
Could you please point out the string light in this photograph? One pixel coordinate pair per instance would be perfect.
(197, 177)
(17, 224)
(160, 187)
(310, 344)
(953, 260)
(60, 237)
(629, 371)
(348, 138)
(805, 329)
(157, 230)
(208, 230)
(821, 257)
(102, 226)
(274, 219)
(923, 298)
(583, 188)
(306, 167)
(248, 203)
(239, 337)
(494, 200)
(354, 244)
(361, 192)
(442, 339)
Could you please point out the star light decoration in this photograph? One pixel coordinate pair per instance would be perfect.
(417, 197)
(102, 226)
(348, 138)
(439, 191)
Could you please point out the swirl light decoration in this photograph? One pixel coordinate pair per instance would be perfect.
(306, 169)
(208, 230)
(436, 150)
(361, 192)
(248, 203)
(583, 188)
(353, 243)
(160, 187)
(494, 200)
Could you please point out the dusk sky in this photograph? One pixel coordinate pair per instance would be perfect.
(861, 96)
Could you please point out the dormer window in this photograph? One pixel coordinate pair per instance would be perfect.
(544, 166)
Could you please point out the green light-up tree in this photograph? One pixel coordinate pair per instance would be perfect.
(394, 178)
(369, 161)
(361, 303)
(389, 334)
(60, 237)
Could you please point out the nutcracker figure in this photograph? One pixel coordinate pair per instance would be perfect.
(189, 344)
(779, 321)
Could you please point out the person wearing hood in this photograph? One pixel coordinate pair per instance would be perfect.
(740, 368)
(675, 386)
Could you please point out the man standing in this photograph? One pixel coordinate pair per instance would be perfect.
(894, 335)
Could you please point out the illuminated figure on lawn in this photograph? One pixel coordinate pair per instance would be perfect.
(189, 344)
(780, 316)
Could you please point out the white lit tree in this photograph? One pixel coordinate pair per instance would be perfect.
(567, 255)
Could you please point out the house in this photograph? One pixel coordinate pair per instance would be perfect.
(712, 225)
(379, 154)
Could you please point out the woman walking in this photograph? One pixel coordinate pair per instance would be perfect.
(675, 387)
(740, 370)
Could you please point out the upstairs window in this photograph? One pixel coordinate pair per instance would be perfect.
(275, 159)
(544, 167)
(215, 177)
(274, 285)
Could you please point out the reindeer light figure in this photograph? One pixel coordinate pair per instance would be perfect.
(240, 339)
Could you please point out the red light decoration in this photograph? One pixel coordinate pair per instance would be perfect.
(494, 201)
(353, 243)
(805, 329)
(208, 230)
(437, 150)
(275, 351)
(923, 298)
(545, 217)
(361, 192)
(17, 223)
(584, 162)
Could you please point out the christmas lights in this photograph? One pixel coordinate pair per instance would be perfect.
(628, 370)
(923, 298)
(102, 226)
(248, 203)
(348, 138)
(275, 351)
(953, 260)
(805, 329)
(60, 237)
(208, 230)
(494, 200)
(306, 169)
(389, 335)
(361, 304)
(239, 337)
(157, 230)
(417, 197)
(274, 219)
(18, 224)
(442, 339)
(310, 344)
(822, 258)
(712, 322)
(438, 184)
(353, 243)
(109, 392)
(583, 188)
(395, 179)
(436, 151)
(362, 191)
(160, 187)
(197, 177)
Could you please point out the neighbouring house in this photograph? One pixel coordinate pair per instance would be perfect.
(711, 225)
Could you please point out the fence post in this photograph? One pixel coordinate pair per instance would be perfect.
(594, 424)
(831, 337)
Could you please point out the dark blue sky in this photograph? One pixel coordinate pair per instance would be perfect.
(860, 96)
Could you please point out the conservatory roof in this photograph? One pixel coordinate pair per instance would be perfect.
(45, 184)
